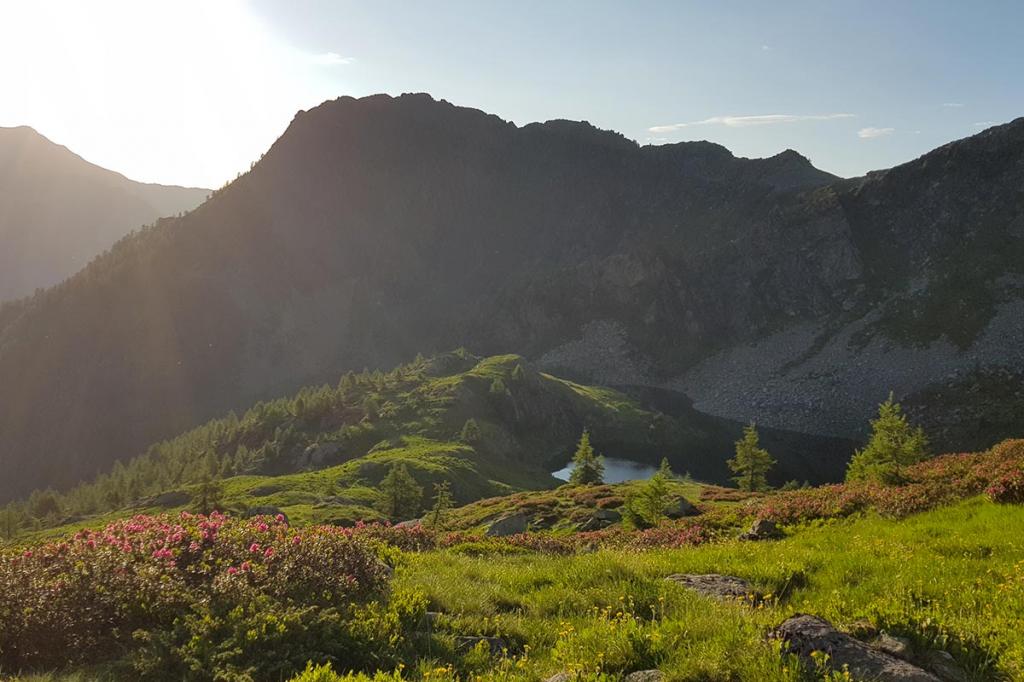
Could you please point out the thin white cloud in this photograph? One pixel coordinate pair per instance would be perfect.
(746, 121)
(952, 105)
(766, 48)
(871, 133)
(331, 59)
(985, 124)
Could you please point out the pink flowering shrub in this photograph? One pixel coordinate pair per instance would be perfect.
(82, 598)
(998, 472)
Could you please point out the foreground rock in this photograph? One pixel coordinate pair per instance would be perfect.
(509, 525)
(724, 587)
(804, 635)
(763, 529)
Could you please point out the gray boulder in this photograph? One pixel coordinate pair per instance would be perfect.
(762, 529)
(508, 525)
(803, 635)
(560, 677)
(945, 666)
(724, 587)
(680, 507)
(896, 646)
(607, 515)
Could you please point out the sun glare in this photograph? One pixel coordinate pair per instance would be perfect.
(87, 75)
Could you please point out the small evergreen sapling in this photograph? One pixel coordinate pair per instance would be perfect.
(443, 503)
(894, 444)
(646, 507)
(589, 466)
(752, 462)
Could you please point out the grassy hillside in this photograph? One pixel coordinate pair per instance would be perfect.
(932, 561)
(319, 454)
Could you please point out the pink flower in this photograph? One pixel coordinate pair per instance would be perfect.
(254, 547)
(246, 566)
(269, 552)
(280, 518)
(232, 570)
(27, 554)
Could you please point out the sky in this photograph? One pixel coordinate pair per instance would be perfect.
(192, 92)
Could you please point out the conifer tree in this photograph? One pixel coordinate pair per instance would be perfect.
(588, 466)
(751, 463)
(443, 503)
(207, 498)
(646, 507)
(894, 444)
(400, 493)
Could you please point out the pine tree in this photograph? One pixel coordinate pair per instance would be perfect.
(588, 466)
(400, 494)
(443, 503)
(207, 498)
(751, 463)
(894, 444)
(646, 507)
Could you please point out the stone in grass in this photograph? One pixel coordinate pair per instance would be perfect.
(724, 587)
(508, 525)
(496, 645)
(805, 635)
(897, 646)
(644, 676)
(945, 666)
(679, 508)
(762, 529)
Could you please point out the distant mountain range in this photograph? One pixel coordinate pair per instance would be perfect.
(58, 211)
(377, 228)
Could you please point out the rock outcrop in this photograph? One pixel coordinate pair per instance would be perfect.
(805, 635)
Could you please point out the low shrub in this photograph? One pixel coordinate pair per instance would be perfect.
(81, 599)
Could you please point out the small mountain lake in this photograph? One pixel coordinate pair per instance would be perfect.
(615, 470)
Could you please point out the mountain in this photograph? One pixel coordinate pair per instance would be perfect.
(377, 228)
(58, 211)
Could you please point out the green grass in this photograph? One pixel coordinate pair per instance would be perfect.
(951, 579)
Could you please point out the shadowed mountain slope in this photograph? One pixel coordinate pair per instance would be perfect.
(382, 227)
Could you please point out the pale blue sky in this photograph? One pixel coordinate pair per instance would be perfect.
(852, 85)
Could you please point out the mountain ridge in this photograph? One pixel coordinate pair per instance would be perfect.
(378, 228)
(60, 211)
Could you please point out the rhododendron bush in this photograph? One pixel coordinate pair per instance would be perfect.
(85, 597)
(942, 480)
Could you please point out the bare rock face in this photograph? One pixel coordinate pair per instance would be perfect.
(724, 587)
(804, 635)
